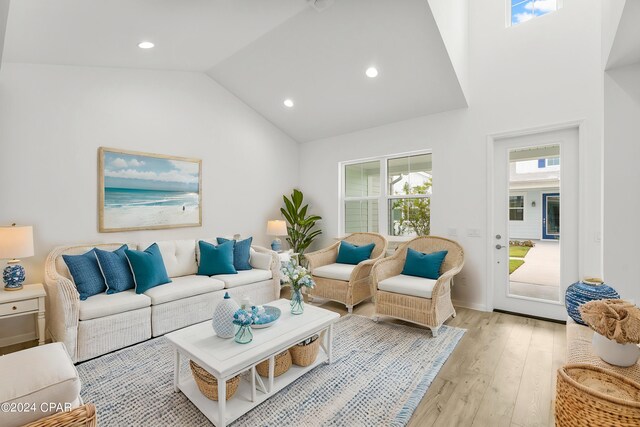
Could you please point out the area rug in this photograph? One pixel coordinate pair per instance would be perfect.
(380, 373)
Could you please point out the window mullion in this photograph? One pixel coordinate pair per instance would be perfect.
(383, 211)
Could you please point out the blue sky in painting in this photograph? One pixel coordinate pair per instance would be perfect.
(524, 10)
(149, 173)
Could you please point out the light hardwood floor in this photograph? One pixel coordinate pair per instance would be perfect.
(502, 373)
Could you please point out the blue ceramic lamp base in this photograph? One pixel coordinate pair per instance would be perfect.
(13, 276)
(276, 245)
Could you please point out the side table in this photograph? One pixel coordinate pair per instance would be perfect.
(27, 301)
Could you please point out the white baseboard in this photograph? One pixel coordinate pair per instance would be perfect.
(471, 305)
(15, 339)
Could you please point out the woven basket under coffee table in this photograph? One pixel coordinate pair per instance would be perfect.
(282, 365)
(588, 396)
(208, 384)
(305, 354)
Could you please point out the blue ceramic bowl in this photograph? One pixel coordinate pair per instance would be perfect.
(269, 317)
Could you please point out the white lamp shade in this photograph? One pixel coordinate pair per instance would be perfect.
(16, 242)
(276, 228)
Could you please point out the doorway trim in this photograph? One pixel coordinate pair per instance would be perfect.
(491, 140)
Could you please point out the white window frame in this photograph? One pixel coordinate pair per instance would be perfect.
(509, 12)
(524, 207)
(384, 196)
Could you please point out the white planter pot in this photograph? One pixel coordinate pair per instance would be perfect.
(614, 353)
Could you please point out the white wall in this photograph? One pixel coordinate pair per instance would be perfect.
(621, 179)
(54, 118)
(541, 72)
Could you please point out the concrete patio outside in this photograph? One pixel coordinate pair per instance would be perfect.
(539, 276)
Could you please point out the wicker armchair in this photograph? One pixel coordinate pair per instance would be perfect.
(355, 286)
(430, 312)
(83, 416)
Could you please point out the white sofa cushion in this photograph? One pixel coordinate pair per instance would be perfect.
(183, 287)
(408, 285)
(105, 305)
(260, 260)
(244, 277)
(334, 271)
(37, 375)
(179, 256)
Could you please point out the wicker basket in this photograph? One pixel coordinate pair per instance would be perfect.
(283, 363)
(208, 384)
(305, 355)
(588, 396)
(83, 416)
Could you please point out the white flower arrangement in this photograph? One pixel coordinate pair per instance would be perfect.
(297, 276)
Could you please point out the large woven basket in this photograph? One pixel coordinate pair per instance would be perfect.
(589, 396)
(83, 416)
(208, 384)
(283, 363)
(305, 355)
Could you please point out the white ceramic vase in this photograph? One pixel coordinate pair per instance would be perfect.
(223, 317)
(613, 353)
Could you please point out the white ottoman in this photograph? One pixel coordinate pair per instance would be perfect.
(35, 383)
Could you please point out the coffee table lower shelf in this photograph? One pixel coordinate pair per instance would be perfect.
(241, 402)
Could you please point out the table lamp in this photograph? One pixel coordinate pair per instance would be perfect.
(15, 242)
(276, 228)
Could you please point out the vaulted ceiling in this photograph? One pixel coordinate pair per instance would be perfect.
(262, 51)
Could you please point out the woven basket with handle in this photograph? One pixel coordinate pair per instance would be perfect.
(208, 384)
(283, 363)
(305, 355)
(588, 396)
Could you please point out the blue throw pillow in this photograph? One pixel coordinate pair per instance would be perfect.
(86, 274)
(241, 252)
(216, 259)
(148, 268)
(424, 265)
(354, 254)
(115, 269)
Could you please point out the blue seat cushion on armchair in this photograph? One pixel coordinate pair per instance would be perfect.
(241, 252)
(349, 253)
(148, 268)
(423, 265)
(115, 269)
(216, 259)
(86, 274)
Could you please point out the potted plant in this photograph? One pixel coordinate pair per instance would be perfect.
(300, 232)
(298, 277)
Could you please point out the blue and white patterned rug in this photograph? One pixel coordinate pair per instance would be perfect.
(380, 373)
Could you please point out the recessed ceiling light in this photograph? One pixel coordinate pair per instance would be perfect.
(145, 45)
(288, 103)
(372, 72)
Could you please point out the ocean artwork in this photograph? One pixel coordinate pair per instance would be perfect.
(141, 191)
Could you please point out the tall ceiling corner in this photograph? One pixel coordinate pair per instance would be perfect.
(452, 19)
(621, 33)
(4, 14)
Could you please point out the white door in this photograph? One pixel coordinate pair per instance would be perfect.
(530, 275)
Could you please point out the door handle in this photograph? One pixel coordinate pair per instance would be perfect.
(499, 246)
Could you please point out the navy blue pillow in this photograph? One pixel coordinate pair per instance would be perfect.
(86, 273)
(241, 252)
(148, 268)
(216, 259)
(354, 254)
(424, 265)
(115, 270)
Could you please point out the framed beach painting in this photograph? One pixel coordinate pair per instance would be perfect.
(142, 191)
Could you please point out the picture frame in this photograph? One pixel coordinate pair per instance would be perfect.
(147, 191)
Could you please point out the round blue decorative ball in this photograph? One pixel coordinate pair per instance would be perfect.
(580, 293)
(13, 275)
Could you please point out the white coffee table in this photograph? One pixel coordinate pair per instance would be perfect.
(224, 359)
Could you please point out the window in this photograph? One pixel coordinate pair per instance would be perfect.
(390, 195)
(544, 163)
(516, 207)
(525, 10)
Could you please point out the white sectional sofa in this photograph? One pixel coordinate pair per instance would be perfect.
(103, 323)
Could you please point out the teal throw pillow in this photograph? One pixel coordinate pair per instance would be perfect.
(86, 273)
(241, 252)
(148, 268)
(354, 254)
(424, 265)
(115, 269)
(216, 259)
